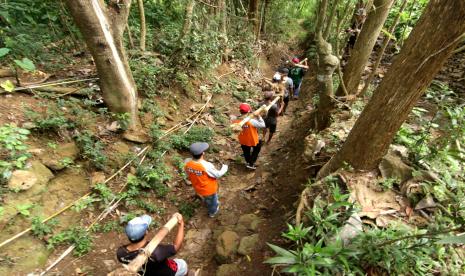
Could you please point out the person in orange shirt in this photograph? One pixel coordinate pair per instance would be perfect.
(203, 176)
(248, 138)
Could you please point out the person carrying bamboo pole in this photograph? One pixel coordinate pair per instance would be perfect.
(203, 176)
(296, 73)
(248, 137)
(158, 263)
(271, 119)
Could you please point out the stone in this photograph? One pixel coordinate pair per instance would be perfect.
(136, 136)
(392, 166)
(97, 177)
(22, 180)
(118, 153)
(248, 222)
(55, 160)
(195, 241)
(109, 264)
(351, 229)
(426, 202)
(248, 244)
(226, 246)
(228, 270)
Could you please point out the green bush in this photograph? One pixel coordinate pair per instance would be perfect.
(13, 153)
(91, 149)
(76, 236)
(195, 134)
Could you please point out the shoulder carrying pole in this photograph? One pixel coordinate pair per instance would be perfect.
(134, 266)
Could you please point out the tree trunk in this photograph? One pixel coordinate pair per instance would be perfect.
(102, 28)
(412, 71)
(254, 14)
(143, 30)
(187, 19)
(364, 45)
(380, 53)
(267, 5)
(326, 66)
(332, 14)
(224, 29)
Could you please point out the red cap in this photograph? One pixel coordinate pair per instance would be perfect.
(295, 60)
(244, 108)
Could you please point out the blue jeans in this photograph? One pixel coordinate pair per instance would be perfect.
(297, 89)
(212, 203)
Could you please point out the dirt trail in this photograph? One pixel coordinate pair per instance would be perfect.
(254, 204)
(245, 192)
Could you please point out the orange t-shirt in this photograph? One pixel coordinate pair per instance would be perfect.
(203, 184)
(248, 135)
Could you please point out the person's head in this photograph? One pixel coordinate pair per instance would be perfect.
(284, 71)
(268, 95)
(244, 108)
(296, 60)
(198, 149)
(136, 229)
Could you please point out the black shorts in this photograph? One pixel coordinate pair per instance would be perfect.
(271, 125)
(286, 100)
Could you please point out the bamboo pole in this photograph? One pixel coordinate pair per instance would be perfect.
(199, 113)
(47, 84)
(239, 125)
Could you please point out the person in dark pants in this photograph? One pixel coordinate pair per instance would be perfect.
(159, 262)
(248, 137)
(271, 119)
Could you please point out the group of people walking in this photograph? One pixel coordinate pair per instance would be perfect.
(203, 175)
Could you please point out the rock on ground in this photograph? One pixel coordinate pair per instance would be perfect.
(392, 166)
(228, 270)
(226, 246)
(248, 222)
(22, 180)
(54, 160)
(248, 244)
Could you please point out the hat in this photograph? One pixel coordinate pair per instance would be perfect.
(277, 76)
(244, 108)
(198, 148)
(284, 71)
(268, 94)
(296, 60)
(136, 228)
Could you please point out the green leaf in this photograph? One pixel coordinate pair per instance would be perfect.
(25, 64)
(280, 251)
(4, 51)
(8, 86)
(453, 239)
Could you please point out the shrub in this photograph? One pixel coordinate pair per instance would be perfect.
(13, 153)
(91, 149)
(195, 134)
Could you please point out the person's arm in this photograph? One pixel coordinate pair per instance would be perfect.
(212, 171)
(258, 122)
(180, 235)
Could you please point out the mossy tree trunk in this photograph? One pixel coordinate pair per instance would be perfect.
(412, 71)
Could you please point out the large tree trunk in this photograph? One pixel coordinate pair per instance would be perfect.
(102, 28)
(254, 14)
(326, 66)
(364, 45)
(143, 28)
(187, 19)
(380, 53)
(412, 71)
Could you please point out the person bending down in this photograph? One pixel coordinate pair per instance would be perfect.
(158, 263)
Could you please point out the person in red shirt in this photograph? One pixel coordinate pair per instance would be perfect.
(203, 176)
(248, 137)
